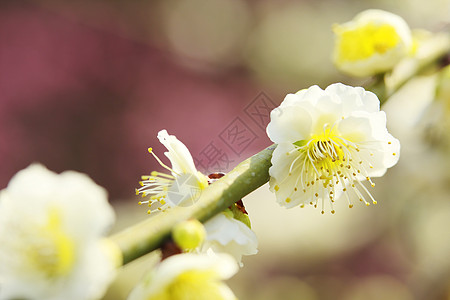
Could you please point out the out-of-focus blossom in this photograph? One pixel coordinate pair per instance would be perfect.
(227, 22)
(373, 42)
(51, 229)
(180, 188)
(225, 233)
(188, 276)
(378, 287)
(436, 119)
(329, 142)
(443, 88)
(427, 50)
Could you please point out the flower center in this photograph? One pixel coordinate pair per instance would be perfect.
(193, 284)
(52, 250)
(168, 190)
(324, 149)
(365, 41)
(326, 156)
(328, 162)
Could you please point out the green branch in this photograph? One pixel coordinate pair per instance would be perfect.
(148, 235)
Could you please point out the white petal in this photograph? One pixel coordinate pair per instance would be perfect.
(310, 95)
(186, 189)
(79, 192)
(281, 160)
(225, 234)
(225, 229)
(391, 151)
(356, 129)
(354, 98)
(289, 124)
(178, 153)
(281, 182)
(222, 265)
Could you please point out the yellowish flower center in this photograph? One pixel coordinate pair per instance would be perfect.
(324, 149)
(327, 161)
(327, 154)
(157, 186)
(192, 285)
(52, 251)
(365, 41)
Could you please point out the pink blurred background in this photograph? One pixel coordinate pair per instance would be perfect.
(78, 90)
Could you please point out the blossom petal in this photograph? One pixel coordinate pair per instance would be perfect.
(352, 98)
(179, 155)
(291, 123)
(227, 235)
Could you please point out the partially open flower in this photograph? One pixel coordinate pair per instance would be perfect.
(179, 188)
(188, 276)
(226, 234)
(52, 242)
(373, 42)
(329, 142)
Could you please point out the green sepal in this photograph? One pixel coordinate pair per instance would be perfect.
(240, 216)
(300, 143)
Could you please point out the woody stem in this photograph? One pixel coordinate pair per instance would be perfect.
(146, 236)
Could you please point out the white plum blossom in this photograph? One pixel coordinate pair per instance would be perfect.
(225, 234)
(188, 276)
(373, 42)
(52, 243)
(179, 188)
(329, 142)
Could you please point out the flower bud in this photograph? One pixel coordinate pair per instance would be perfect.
(188, 235)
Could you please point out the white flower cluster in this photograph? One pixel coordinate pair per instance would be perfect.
(329, 142)
(188, 275)
(182, 188)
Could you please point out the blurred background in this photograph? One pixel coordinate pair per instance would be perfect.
(87, 85)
